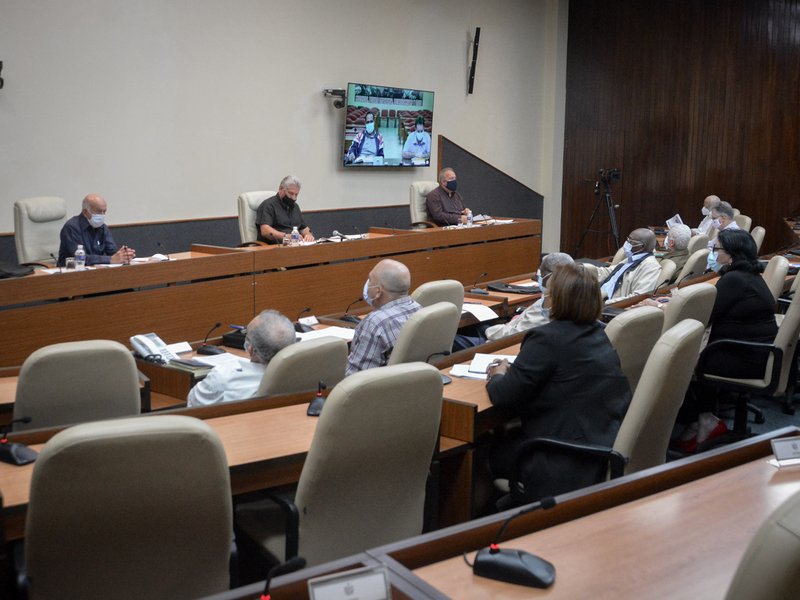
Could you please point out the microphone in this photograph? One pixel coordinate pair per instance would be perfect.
(358, 231)
(290, 566)
(348, 317)
(315, 406)
(339, 235)
(301, 327)
(161, 246)
(389, 226)
(15, 453)
(55, 260)
(687, 276)
(205, 348)
(477, 290)
(516, 566)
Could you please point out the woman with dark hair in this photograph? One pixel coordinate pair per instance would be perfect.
(743, 310)
(566, 383)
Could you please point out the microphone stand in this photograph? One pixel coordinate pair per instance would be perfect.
(208, 350)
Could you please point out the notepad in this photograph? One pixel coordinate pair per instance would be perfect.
(480, 362)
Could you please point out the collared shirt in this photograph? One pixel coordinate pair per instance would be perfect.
(444, 208)
(530, 318)
(278, 214)
(227, 382)
(97, 242)
(375, 336)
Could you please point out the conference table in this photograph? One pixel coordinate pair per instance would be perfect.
(182, 298)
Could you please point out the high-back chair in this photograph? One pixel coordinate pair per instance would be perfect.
(743, 221)
(769, 567)
(302, 366)
(775, 275)
(668, 268)
(695, 265)
(417, 202)
(37, 228)
(118, 508)
(443, 290)
(633, 334)
(363, 481)
(758, 233)
(247, 204)
(427, 334)
(74, 382)
(618, 257)
(691, 302)
(697, 242)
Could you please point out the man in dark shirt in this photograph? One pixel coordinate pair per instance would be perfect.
(445, 205)
(277, 215)
(90, 230)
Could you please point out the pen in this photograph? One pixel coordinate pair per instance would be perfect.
(237, 327)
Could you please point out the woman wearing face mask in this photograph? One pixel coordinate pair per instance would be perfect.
(367, 144)
(743, 310)
(418, 142)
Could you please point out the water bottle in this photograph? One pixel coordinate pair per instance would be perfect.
(80, 258)
(469, 218)
(295, 235)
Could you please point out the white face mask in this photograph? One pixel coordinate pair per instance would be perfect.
(365, 293)
(97, 220)
(706, 211)
(627, 248)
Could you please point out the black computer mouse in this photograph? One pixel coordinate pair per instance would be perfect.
(514, 566)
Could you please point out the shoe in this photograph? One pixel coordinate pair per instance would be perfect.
(719, 430)
(684, 446)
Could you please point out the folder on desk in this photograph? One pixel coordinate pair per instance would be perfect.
(480, 362)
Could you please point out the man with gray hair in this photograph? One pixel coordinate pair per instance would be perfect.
(267, 334)
(445, 205)
(386, 290)
(277, 215)
(721, 218)
(677, 245)
(710, 203)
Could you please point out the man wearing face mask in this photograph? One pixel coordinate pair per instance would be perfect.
(638, 274)
(677, 245)
(445, 205)
(277, 215)
(386, 290)
(367, 144)
(721, 220)
(418, 143)
(709, 204)
(89, 229)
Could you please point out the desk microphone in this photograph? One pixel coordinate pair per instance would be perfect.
(348, 317)
(53, 256)
(301, 327)
(516, 566)
(685, 277)
(389, 226)
(339, 235)
(475, 289)
(161, 246)
(15, 453)
(315, 406)
(205, 348)
(358, 231)
(290, 566)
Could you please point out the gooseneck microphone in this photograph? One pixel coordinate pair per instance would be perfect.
(358, 231)
(302, 327)
(347, 316)
(205, 348)
(290, 566)
(55, 260)
(475, 289)
(15, 453)
(161, 246)
(336, 233)
(516, 566)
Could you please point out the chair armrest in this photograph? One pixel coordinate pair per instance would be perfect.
(726, 346)
(291, 518)
(423, 225)
(144, 391)
(249, 244)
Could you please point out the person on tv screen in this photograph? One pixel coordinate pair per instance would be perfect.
(367, 144)
(418, 142)
(445, 205)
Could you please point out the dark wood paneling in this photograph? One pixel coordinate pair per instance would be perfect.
(688, 98)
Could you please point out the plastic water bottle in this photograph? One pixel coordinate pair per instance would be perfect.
(469, 218)
(80, 258)
(295, 235)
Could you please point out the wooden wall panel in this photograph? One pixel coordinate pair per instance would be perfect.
(688, 98)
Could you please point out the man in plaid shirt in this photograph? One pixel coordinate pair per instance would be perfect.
(386, 290)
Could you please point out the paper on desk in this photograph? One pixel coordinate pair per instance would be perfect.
(480, 312)
(217, 359)
(481, 361)
(344, 333)
(154, 258)
(464, 372)
(179, 347)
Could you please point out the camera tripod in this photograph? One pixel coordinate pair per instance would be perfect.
(606, 176)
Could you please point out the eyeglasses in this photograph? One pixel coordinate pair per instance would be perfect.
(718, 248)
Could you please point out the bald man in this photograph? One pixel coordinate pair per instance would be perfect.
(638, 274)
(386, 290)
(710, 203)
(89, 228)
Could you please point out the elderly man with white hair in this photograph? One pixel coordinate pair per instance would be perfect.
(677, 245)
(277, 215)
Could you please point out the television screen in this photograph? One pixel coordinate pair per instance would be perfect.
(387, 126)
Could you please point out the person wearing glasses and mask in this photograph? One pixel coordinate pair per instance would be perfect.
(385, 290)
(744, 309)
(721, 220)
(277, 215)
(709, 203)
(89, 229)
(637, 274)
(445, 205)
(367, 144)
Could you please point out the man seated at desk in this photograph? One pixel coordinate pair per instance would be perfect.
(386, 290)
(277, 215)
(638, 274)
(445, 205)
(418, 142)
(89, 229)
(267, 334)
(368, 143)
(710, 203)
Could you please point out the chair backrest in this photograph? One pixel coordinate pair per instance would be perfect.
(768, 568)
(786, 340)
(618, 257)
(116, 507)
(428, 333)
(633, 334)
(775, 274)
(363, 482)
(695, 265)
(74, 382)
(301, 366)
(697, 242)
(691, 302)
(644, 434)
(758, 233)
(37, 227)
(443, 290)
(668, 268)
(418, 193)
(247, 204)
(743, 221)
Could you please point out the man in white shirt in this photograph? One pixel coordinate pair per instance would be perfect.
(638, 274)
(267, 334)
(721, 218)
(710, 203)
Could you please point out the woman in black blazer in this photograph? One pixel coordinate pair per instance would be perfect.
(566, 383)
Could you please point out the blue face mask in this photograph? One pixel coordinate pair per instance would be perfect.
(370, 127)
(365, 293)
(452, 185)
(545, 312)
(712, 261)
(97, 220)
(627, 248)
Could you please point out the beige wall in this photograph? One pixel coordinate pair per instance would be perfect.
(171, 108)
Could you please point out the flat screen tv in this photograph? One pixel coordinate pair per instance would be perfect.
(387, 127)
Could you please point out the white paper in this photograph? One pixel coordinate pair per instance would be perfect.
(310, 321)
(480, 312)
(675, 220)
(344, 333)
(154, 258)
(179, 347)
(217, 359)
(464, 372)
(480, 362)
